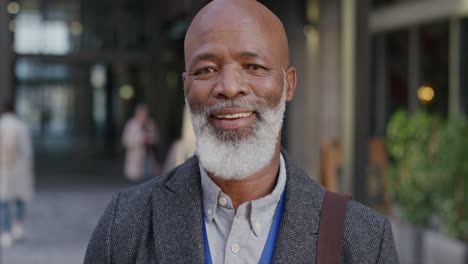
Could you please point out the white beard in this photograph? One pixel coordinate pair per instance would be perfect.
(230, 157)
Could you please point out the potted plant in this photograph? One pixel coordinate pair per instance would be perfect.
(411, 140)
(450, 198)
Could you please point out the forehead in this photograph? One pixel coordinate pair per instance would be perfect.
(233, 39)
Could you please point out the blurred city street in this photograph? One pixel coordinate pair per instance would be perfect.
(61, 218)
(92, 99)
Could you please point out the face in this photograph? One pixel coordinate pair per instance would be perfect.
(142, 116)
(237, 81)
(234, 72)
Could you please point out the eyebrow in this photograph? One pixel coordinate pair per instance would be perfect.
(249, 54)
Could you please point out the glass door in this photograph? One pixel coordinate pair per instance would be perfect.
(45, 100)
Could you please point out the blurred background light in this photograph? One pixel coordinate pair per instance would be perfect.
(426, 94)
(13, 8)
(98, 76)
(126, 92)
(76, 28)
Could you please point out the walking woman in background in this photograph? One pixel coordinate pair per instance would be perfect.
(16, 175)
(140, 136)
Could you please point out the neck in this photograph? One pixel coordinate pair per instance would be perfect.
(254, 187)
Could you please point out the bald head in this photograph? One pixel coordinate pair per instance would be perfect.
(234, 16)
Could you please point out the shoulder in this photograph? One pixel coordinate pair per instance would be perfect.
(137, 201)
(126, 224)
(365, 232)
(141, 198)
(362, 216)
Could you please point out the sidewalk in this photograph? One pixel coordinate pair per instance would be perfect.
(67, 206)
(59, 227)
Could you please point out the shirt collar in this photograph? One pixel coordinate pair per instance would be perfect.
(210, 194)
(261, 210)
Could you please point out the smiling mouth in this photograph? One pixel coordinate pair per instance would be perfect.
(234, 116)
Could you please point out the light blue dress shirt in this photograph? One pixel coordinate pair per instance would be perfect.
(238, 237)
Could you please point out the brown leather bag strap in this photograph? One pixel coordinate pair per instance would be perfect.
(331, 228)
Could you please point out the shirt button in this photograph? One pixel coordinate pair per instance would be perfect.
(235, 248)
(210, 211)
(222, 201)
(258, 225)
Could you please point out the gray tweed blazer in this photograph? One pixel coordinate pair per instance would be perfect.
(160, 222)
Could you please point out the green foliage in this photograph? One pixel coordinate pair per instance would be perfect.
(451, 167)
(429, 172)
(411, 145)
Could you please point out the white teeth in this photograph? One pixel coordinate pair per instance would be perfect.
(232, 116)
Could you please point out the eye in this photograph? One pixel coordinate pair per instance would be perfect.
(205, 70)
(254, 67)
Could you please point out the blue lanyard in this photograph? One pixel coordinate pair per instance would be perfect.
(269, 249)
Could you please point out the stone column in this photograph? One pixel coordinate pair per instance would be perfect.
(362, 100)
(302, 134)
(313, 30)
(348, 44)
(356, 90)
(330, 71)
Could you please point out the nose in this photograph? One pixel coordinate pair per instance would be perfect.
(230, 84)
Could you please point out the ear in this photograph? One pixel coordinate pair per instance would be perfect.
(291, 81)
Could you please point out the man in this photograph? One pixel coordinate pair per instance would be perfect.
(241, 199)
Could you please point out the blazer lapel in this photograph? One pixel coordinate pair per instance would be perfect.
(177, 221)
(297, 239)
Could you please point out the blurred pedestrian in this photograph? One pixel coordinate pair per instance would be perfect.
(183, 148)
(16, 175)
(140, 137)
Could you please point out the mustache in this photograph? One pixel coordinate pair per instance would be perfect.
(210, 109)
